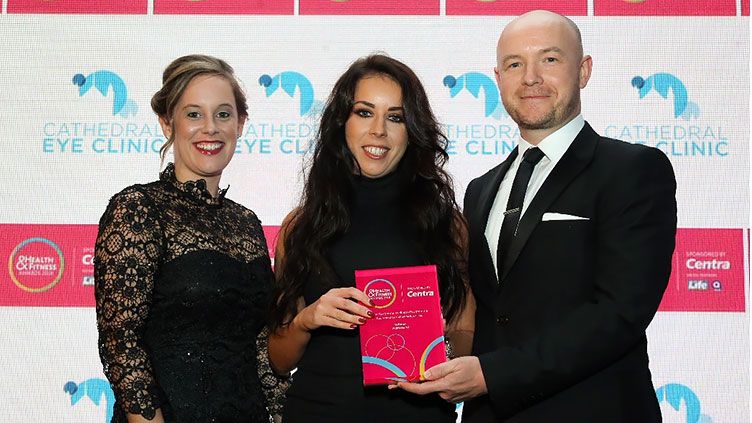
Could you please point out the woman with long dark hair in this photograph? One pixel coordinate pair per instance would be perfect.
(376, 196)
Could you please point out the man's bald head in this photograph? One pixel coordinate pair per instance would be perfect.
(545, 18)
(540, 69)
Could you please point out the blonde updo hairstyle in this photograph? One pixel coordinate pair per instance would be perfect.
(176, 78)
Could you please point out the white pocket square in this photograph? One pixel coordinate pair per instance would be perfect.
(561, 216)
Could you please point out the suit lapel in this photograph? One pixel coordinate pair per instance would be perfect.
(481, 213)
(577, 157)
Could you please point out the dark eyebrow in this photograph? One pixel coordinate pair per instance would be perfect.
(364, 102)
(373, 106)
(197, 106)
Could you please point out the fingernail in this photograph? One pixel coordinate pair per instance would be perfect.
(370, 313)
(371, 303)
(353, 326)
(361, 320)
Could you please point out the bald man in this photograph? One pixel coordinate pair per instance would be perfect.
(571, 240)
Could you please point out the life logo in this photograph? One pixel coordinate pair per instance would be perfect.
(478, 84)
(97, 390)
(683, 401)
(108, 84)
(292, 82)
(36, 265)
(665, 84)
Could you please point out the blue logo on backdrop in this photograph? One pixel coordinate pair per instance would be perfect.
(291, 82)
(486, 135)
(682, 132)
(662, 83)
(294, 136)
(103, 134)
(96, 390)
(475, 83)
(675, 395)
(106, 83)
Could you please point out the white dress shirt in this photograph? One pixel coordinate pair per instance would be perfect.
(553, 146)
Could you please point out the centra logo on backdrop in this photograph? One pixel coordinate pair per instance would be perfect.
(36, 265)
(110, 126)
(294, 132)
(97, 390)
(706, 269)
(680, 404)
(681, 131)
(486, 128)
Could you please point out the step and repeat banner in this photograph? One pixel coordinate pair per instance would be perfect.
(76, 81)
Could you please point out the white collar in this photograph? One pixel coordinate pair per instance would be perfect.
(556, 144)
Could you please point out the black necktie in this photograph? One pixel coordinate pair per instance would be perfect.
(514, 206)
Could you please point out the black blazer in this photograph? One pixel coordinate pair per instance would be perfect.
(562, 337)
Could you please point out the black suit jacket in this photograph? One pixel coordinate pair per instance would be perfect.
(562, 337)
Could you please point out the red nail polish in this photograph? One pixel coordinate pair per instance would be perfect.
(353, 326)
(361, 320)
(370, 313)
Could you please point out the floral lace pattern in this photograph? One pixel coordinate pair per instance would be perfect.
(169, 253)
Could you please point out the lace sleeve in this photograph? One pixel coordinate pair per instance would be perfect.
(273, 385)
(127, 255)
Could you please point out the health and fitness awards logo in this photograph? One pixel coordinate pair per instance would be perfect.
(36, 265)
(287, 124)
(381, 292)
(481, 126)
(102, 120)
(48, 265)
(671, 121)
(680, 404)
(97, 390)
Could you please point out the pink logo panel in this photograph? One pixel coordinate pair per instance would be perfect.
(47, 265)
(745, 7)
(708, 271)
(369, 7)
(514, 7)
(664, 7)
(53, 265)
(223, 7)
(114, 7)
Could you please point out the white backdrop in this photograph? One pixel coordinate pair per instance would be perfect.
(65, 154)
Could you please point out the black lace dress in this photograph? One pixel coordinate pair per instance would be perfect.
(182, 280)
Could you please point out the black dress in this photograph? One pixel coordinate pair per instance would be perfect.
(328, 385)
(182, 280)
